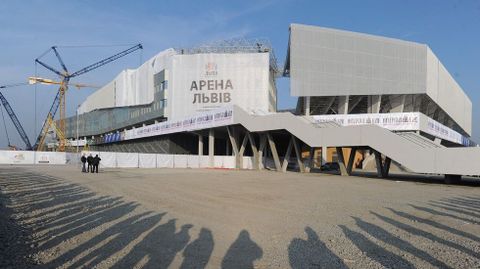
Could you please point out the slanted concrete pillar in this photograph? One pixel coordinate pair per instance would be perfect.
(324, 156)
(307, 105)
(298, 153)
(341, 162)
(274, 151)
(256, 157)
(374, 102)
(261, 151)
(343, 104)
(351, 159)
(211, 147)
(200, 145)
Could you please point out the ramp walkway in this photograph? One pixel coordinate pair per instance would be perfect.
(416, 153)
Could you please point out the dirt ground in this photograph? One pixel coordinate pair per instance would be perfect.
(201, 218)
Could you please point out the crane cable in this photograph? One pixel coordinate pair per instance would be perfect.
(5, 125)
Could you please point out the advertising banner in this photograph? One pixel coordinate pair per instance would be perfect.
(219, 117)
(391, 121)
(439, 130)
(202, 82)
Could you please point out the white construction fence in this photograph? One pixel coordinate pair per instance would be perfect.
(123, 159)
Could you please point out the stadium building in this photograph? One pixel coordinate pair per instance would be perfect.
(361, 99)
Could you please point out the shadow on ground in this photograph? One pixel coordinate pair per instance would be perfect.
(76, 228)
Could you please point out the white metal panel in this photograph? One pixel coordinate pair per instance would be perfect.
(127, 160)
(447, 94)
(180, 161)
(147, 160)
(16, 157)
(329, 62)
(204, 161)
(50, 157)
(228, 161)
(165, 161)
(193, 161)
(131, 87)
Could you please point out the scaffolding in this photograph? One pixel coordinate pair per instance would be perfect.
(236, 45)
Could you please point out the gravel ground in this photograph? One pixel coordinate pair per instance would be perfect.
(57, 217)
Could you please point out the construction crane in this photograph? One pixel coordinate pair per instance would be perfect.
(50, 122)
(59, 100)
(14, 118)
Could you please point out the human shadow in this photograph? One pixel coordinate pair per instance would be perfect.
(312, 253)
(242, 253)
(388, 238)
(435, 224)
(197, 254)
(375, 252)
(421, 233)
(440, 213)
(160, 246)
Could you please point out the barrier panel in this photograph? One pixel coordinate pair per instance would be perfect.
(16, 157)
(180, 161)
(193, 161)
(73, 158)
(247, 163)
(50, 158)
(218, 161)
(204, 161)
(122, 159)
(164, 161)
(228, 162)
(127, 160)
(147, 160)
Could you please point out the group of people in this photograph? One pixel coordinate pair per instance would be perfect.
(93, 163)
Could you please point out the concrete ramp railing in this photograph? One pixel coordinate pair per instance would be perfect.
(412, 155)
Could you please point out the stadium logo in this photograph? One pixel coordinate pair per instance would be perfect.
(211, 69)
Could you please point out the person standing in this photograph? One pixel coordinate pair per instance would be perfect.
(84, 160)
(90, 163)
(96, 162)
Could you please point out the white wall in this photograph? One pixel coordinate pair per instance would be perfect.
(131, 87)
(330, 62)
(446, 92)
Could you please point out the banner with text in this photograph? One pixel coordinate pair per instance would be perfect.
(214, 118)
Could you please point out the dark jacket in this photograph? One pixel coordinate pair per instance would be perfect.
(83, 159)
(89, 159)
(96, 160)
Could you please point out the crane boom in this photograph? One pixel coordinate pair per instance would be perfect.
(15, 120)
(106, 61)
(59, 100)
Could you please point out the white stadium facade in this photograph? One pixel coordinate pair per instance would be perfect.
(362, 99)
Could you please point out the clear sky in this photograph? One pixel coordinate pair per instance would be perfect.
(28, 28)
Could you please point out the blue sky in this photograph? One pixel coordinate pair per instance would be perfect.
(28, 28)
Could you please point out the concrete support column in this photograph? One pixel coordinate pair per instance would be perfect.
(341, 162)
(211, 147)
(261, 151)
(307, 105)
(274, 151)
(308, 169)
(374, 102)
(256, 157)
(343, 104)
(200, 145)
(324, 156)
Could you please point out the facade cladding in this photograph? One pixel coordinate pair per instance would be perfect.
(181, 82)
(345, 72)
